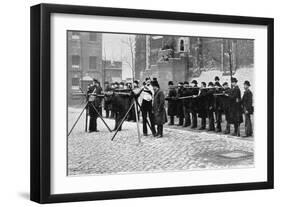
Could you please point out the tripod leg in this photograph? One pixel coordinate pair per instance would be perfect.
(77, 119)
(137, 120)
(101, 118)
(123, 119)
(86, 124)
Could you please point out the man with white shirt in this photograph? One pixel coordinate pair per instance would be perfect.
(146, 106)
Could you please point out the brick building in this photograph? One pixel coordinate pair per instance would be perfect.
(112, 71)
(84, 62)
(181, 58)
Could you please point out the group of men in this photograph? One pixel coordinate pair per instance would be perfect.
(148, 100)
(188, 102)
(209, 102)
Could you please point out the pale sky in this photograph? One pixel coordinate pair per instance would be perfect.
(115, 47)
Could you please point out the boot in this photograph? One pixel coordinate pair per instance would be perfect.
(203, 124)
(171, 120)
(218, 129)
(227, 129)
(180, 121)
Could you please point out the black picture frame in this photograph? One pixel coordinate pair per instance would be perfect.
(41, 98)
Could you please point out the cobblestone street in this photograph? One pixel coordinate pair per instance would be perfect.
(179, 149)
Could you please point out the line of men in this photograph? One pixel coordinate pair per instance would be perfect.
(189, 102)
(186, 101)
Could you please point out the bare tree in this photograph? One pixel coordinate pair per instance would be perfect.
(130, 60)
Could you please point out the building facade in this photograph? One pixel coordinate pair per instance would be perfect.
(112, 70)
(178, 58)
(84, 56)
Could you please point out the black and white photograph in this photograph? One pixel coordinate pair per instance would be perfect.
(133, 103)
(154, 103)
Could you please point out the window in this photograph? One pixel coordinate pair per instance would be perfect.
(75, 61)
(181, 45)
(93, 37)
(75, 83)
(75, 36)
(92, 62)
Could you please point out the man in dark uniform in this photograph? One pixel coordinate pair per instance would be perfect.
(235, 107)
(226, 106)
(202, 105)
(194, 103)
(211, 106)
(94, 104)
(247, 103)
(172, 102)
(180, 114)
(218, 104)
(107, 106)
(158, 107)
(186, 104)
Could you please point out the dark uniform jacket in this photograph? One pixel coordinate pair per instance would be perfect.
(172, 102)
(218, 100)
(107, 105)
(180, 102)
(247, 101)
(94, 100)
(158, 108)
(235, 112)
(187, 101)
(210, 99)
(202, 103)
(194, 101)
(226, 103)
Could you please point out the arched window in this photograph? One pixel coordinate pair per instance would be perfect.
(181, 45)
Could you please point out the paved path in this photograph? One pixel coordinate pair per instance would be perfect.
(179, 149)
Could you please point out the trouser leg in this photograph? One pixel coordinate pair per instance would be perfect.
(194, 120)
(144, 120)
(106, 113)
(211, 121)
(203, 123)
(227, 128)
(236, 129)
(180, 120)
(218, 121)
(248, 125)
(187, 121)
(93, 124)
(172, 118)
(152, 122)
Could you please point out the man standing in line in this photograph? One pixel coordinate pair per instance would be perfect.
(247, 103)
(203, 107)
(186, 104)
(172, 102)
(226, 106)
(107, 106)
(159, 111)
(235, 107)
(94, 105)
(146, 106)
(180, 114)
(218, 105)
(211, 103)
(194, 104)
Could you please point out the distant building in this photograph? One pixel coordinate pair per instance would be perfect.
(162, 57)
(84, 62)
(179, 58)
(112, 70)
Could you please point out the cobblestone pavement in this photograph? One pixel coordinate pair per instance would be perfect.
(179, 149)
